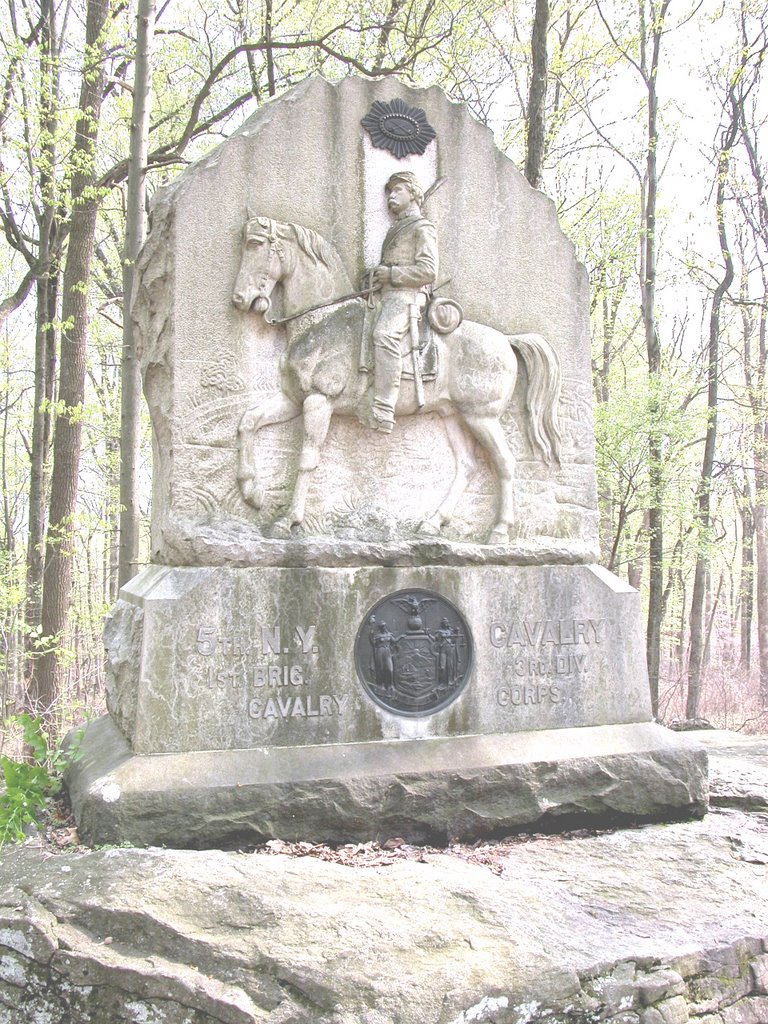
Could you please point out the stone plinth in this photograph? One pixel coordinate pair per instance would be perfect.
(426, 790)
(237, 693)
(216, 659)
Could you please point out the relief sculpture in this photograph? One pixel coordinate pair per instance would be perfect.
(473, 367)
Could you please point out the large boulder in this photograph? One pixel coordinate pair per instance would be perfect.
(656, 925)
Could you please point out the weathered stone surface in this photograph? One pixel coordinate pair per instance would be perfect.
(245, 681)
(746, 1011)
(123, 640)
(659, 984)
(727, 981)
(669, 1011)
(760, 974)
(305, 159)
(739, 769)
(215, 539)
(430, 790)
(621, 927)
(211, 659)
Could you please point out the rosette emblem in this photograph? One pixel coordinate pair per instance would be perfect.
(401, 129)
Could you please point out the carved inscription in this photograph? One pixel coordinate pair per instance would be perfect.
(547, 631)
(515, 696)
(544, 656)
(270, 671)
(210, 640)
(297, 707)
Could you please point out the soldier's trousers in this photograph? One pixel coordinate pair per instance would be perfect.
(391, 341)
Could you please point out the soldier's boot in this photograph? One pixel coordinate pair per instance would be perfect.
(386, 388)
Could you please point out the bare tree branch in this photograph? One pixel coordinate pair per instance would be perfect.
(12, 302)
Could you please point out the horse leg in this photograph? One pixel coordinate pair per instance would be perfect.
(317, 418)
(490, 434)
(466, 467)
(275, 409)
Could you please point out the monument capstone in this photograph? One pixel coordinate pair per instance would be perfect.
(373, 607)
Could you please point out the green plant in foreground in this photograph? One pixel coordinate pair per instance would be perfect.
(27, 784)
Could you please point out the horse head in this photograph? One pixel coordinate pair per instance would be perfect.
(264, 262)
(306, 265)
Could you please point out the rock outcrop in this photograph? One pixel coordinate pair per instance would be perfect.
(662, 924)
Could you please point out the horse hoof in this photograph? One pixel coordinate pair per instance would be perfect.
(281, 529)
(499, 535)
(252, 494)
(430, 527)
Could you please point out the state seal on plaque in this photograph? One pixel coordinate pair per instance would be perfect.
(413, 653)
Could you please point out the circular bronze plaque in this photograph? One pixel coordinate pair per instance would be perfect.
(413, 652)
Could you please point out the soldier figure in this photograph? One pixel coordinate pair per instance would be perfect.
(403, 278)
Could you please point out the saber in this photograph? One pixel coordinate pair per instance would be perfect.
(414, 316)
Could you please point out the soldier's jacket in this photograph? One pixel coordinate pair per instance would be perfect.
(410, 249)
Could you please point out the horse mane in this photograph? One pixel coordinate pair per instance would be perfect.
(310, 242)
(323, 268)
(313, 245)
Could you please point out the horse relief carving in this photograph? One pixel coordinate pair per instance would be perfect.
(475, 366)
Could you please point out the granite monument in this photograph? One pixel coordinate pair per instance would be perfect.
(373, 607)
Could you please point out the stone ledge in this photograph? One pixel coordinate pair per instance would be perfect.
(738, 768)
(214, 540)
(654, 925)
(431, 790)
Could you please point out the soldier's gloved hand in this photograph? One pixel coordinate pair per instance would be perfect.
(382, 276)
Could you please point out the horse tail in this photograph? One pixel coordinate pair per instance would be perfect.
(543, 395)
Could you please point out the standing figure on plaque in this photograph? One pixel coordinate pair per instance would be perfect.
(447, 653)
(382, 641)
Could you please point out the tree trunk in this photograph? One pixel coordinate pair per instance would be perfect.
(680, 649)
(761, 553)
(755, 374)
(756, 389)
(704, 490)
(747, 582)
(46, 333)
(712, 606)
(269, 52)
(130, 395)
(655, 575)
(45, 375)
(653, 352)
(537, 96)
(66, 443)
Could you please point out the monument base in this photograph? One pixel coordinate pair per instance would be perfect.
(425, 791)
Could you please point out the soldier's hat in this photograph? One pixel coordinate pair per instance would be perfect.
(409, 179)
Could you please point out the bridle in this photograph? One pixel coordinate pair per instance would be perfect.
(277, 249)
